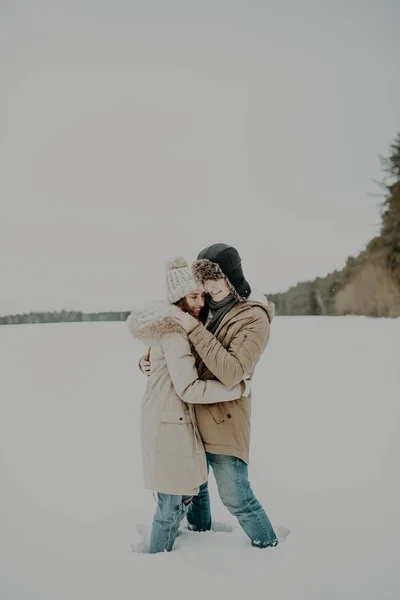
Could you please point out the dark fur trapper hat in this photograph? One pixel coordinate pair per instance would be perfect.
(221, 261)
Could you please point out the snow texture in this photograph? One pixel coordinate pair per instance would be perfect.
(324, 462)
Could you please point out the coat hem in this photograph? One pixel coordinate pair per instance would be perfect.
(160, 489)
(227, 451)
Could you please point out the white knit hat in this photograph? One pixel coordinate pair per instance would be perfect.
(179, 280)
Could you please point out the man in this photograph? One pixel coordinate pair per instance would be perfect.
(228, 347)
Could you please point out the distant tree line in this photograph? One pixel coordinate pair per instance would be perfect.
(64, 316)
(369, 284)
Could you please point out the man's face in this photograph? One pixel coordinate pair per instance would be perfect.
(218, 289)
(195, 301)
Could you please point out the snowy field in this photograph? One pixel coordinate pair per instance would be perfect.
(325, 463)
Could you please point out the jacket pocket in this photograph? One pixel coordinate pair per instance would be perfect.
(216, 412)
(173, 417)
(175, 434)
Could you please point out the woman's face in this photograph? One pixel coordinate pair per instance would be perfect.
(218, 289)
(195, 301)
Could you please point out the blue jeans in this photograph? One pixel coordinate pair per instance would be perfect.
(169, 513)
(231, 475)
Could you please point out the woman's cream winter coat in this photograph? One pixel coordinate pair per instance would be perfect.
(173, 454)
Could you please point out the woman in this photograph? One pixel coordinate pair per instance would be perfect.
(174, 462)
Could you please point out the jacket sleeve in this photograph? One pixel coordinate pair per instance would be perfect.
(238, 361)
(184, 376)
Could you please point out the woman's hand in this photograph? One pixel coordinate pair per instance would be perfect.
(186, 321)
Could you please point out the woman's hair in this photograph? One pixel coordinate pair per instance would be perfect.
(182, 304)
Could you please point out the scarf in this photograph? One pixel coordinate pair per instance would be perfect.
(219, 310)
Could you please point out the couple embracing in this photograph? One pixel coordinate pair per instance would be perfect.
(204, 342)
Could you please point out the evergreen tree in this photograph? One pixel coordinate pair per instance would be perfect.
(389, 239)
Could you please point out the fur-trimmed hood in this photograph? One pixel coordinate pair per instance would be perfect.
(153, 322)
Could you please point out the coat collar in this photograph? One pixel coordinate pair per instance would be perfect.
(240, 311)
(255, 299)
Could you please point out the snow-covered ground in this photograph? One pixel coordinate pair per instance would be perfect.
(325, 463)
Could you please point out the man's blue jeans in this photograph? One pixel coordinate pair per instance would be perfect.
(169, 513)
(231, 475)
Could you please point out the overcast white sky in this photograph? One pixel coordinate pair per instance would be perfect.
(132, 131)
